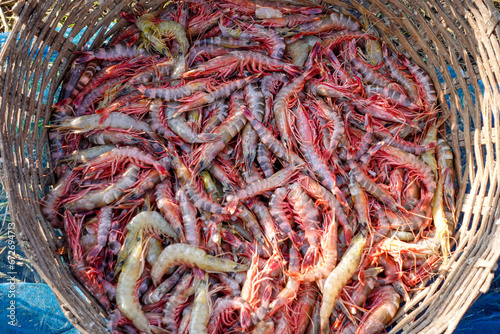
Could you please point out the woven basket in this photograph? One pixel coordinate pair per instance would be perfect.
(437, 35)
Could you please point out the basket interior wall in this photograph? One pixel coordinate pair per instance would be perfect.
(456, 42)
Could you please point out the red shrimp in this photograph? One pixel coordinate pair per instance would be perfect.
(189, 220)
(307, 215)
(268, 139)
(306, 138)
(384, 307)
(50, 202)
(400, 77)
(120, 155)
(221, 92)
(425, 84)
(231, 126)
(105, 217)
(255, 101)
(200, 199)
(373, 188)
(115, 52)
(288, 294)
(169, 206)
(391, 95)
(412, 162)
(260, 186)
(324, 23)
(329, 253)
(360, 201)
(173, 93)
(254, 62)
(289, 21)
(278, 209)
(340, 37)
(87, 276)
(285, 97)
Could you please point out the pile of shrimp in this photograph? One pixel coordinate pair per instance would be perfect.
(244, 166)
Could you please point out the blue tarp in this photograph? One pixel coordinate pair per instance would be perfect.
(31, 308)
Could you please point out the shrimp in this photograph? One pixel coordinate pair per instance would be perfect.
(282, 101)
(264, 159)
(189, 219)
(254, 62)
(329, 252)
(218, 112)
(249, 7)
(302, 311)
(373, 188)
(412, 162)
(102, 197)
(260, 186)
(121, 154)
(307, 215)
(172, 281)
(317, 164)
(200, 199)
(105, 219)
(278, 211)
(150, 32)
(443, 231)
(51, 201)
(424, 82)
(114, 52)
(287, 295)
(340, 37)
(384, 308)
(126, 298)
(182, 291)
(201, 309)
(192, 256)
(231, 126)
(286, 21)
(87, 276)
(324, 23)
(221, 92)
(227, 42)
(255, 101)
(400, 77)
(360, 200)
(227, 304)
(173, 93)
(90, 70)
(268, 139)
(180, 127)
(391, 95)
(338, 278)
(88, 154)
(338, 126)
(117, 120)
(325, 197)
(169, 207)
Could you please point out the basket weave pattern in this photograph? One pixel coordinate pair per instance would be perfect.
(461, 35)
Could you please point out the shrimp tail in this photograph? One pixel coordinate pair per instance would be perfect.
(141, 89)
(93, 253)
(85, 56)
(232, 205)
(292, 69)
(207, 137)
(129, 17)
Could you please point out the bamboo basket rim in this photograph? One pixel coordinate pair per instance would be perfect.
(438, 35)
